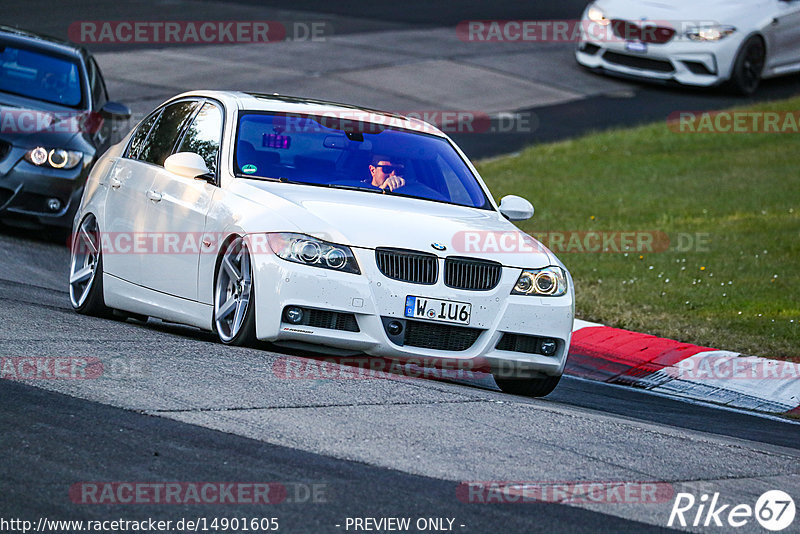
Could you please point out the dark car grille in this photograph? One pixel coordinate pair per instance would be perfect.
(637, 62)
(440, 336)
(329, 319)
(631, 31)
(408, 265)
(475, 275)
(520, 343)
(5, 148)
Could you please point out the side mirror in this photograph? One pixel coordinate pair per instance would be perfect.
(188, 165)
(516, 208)
(115, 111)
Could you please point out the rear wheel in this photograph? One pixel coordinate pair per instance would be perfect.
(234, 296)
(748, 67)
(86, 270)
(528, 387)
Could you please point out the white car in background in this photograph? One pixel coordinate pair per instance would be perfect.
(257, 217)
(703, 43)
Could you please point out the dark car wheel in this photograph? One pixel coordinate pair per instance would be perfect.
(528, 387)
(86, 270)
(748, 67)
(234, 296)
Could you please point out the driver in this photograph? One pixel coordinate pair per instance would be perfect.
(387, 173)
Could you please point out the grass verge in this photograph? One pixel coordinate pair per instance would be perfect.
(729, 203)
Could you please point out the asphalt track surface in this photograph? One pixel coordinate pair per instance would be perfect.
(177, 406)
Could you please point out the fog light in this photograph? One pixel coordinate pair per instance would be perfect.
(549, 347)
(53, 204)
(293, 315)
(394, 328)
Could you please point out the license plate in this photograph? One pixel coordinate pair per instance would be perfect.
(445, 311)
(636, 46)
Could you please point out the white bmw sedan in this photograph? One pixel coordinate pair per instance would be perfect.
(707, 43)
(323, 227)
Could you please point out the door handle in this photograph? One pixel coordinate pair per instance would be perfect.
(155, 196)
(115, 183)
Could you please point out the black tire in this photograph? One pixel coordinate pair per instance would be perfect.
(528, 387)
(748, 67)
(87, 299)
(245, 335)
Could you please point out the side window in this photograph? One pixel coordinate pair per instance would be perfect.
(97, 85)
(165, 132)
(204, 135)
(140, 135)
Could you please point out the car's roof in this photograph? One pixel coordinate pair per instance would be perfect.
(309, 106)
(43, 42)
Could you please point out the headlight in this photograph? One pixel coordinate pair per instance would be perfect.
(54, 158)
(308, 250)
(597, 16)
(710, 33)
(547, 282)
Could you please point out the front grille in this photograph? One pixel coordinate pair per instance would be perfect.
(589, 48)
(637, 62)
(475, 275)
(329, 319)
(5, 148)
(520, 343)
(697, 68)
(408, 265)
(631, 31)
(440, 336)
(5, 195)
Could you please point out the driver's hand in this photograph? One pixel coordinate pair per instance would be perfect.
(393, 182)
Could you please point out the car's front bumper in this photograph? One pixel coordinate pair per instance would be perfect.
(374, 300)
(26, 191)
(681, 60)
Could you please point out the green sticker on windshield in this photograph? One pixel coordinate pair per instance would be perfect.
(249, 169)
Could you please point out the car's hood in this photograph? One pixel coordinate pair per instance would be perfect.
(370, 220)
(28, 127)
(685, 11)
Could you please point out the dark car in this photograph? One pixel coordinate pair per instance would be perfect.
(55, 121)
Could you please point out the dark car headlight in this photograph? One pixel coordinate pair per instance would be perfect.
(307, 250)
(547, 282)
(54, 158)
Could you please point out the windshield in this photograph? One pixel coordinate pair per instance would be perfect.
(330, 152)
(39, 76)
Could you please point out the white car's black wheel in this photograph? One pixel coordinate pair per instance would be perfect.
(234, 296)
(86, 270)
(528, 387)
(748, 67)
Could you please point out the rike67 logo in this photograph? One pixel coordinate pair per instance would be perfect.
(774, 510)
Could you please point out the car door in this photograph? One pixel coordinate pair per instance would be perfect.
(785, 36)
(131, 189)
(123, 215)
(178, 208)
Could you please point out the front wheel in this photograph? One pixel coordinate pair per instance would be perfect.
(234, 296)
(86, 270)
(748, 67)
(528, 387)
